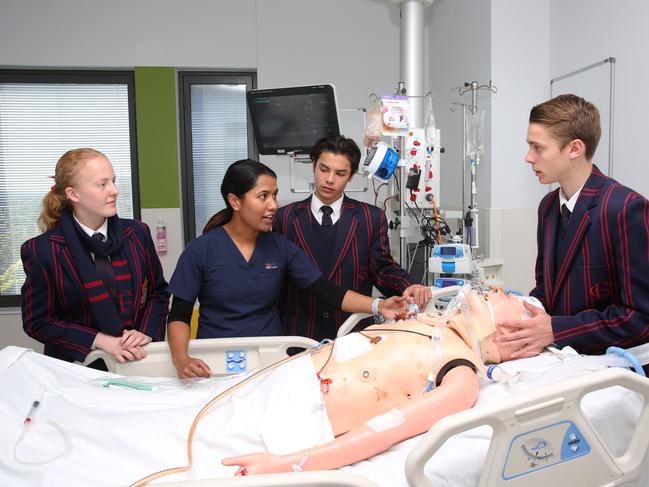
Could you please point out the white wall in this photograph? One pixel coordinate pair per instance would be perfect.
(583, 32)
(459, 50)
(520, 69)
(127, 33)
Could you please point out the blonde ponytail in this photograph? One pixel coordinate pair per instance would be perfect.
(53, 205)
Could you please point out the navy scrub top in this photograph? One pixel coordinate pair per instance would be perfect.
(239, 298)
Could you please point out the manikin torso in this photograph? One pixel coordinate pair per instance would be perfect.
(395, 369)
(390, 373)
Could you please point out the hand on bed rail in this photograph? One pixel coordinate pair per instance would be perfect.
(133, 338)
(186, 367)
(114, 346)
(190, 367)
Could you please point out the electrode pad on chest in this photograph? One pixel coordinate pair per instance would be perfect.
(351, 346)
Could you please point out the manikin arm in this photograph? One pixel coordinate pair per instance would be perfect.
(458, 391)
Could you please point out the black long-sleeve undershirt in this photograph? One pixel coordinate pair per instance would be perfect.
(324, 291)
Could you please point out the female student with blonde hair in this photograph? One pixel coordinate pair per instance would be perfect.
(93, 279)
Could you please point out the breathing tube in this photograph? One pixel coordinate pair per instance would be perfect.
(436, 342)
(491, 373)
(458, 304)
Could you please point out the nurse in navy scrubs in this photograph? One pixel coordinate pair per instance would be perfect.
(237, 267)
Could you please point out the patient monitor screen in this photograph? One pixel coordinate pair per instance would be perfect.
(292, 119)
(448, 251)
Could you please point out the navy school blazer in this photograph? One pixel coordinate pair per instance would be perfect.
(361, 259)
(55, 306)
(598, 296)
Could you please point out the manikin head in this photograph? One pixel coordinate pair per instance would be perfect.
(477, 315)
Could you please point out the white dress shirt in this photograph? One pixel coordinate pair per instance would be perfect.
(336, 206)
(570, 203)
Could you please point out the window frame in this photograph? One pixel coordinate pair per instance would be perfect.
(63, 76)
(185, 80)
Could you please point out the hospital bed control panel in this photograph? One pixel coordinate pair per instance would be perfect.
(544, 447)
(235, 361)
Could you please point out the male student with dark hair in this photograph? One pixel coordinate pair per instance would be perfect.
(346, 238)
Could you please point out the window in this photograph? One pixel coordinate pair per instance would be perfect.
(215, 131)
(43, 114)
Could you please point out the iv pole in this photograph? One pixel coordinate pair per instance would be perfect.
(470, 222)
(412, 80)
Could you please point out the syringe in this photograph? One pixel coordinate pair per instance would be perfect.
(32, 410)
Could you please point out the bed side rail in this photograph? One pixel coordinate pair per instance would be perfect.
(543, 435)
(224, 356)
(316, 478)
(349, 324)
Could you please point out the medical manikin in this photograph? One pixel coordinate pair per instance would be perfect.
(390, 382)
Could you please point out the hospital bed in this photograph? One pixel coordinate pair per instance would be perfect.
(534, 430)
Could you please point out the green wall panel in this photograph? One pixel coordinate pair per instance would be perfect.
(157, 139)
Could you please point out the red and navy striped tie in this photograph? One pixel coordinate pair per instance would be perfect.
(105, 269)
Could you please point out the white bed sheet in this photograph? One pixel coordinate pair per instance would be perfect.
(119, 436)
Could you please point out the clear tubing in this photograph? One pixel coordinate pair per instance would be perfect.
(458, 303)
(436, 342)
(28, 426)
(523, 380)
